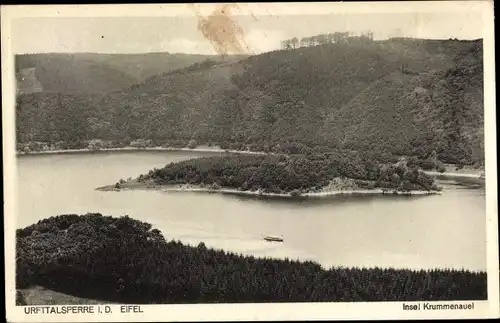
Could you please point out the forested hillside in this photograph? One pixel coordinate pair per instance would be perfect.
(127, 261)
(399, 96)
(415, 113)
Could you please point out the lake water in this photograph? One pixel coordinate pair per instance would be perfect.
(412, 232)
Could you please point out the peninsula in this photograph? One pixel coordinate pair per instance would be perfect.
(284, 176)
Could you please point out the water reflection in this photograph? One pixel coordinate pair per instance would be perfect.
(323, 200)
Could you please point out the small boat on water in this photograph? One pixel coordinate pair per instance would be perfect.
(273, 238)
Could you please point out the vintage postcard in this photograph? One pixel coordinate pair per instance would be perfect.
(250, 161)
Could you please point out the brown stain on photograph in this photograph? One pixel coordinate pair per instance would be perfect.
(225, 35)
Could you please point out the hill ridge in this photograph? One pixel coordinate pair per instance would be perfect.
(72, 72)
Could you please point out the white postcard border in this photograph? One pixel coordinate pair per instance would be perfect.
(267, 311)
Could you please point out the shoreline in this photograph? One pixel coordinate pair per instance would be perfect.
(213, 150)
(197, 189)
(86, 150)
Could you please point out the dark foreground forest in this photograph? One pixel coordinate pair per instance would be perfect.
(126, 261)
(295, 174)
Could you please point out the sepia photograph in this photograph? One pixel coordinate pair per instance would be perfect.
(290, 160)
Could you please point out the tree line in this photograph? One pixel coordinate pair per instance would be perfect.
(124, 260)
(330, 38)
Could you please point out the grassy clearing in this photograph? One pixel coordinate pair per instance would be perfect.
(38, 295)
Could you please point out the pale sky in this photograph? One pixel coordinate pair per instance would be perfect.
(261, 33)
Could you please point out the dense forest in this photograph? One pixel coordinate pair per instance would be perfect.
(125, 260)
(409, 97)
(294, 174)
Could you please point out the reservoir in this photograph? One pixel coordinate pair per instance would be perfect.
(436, 231)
